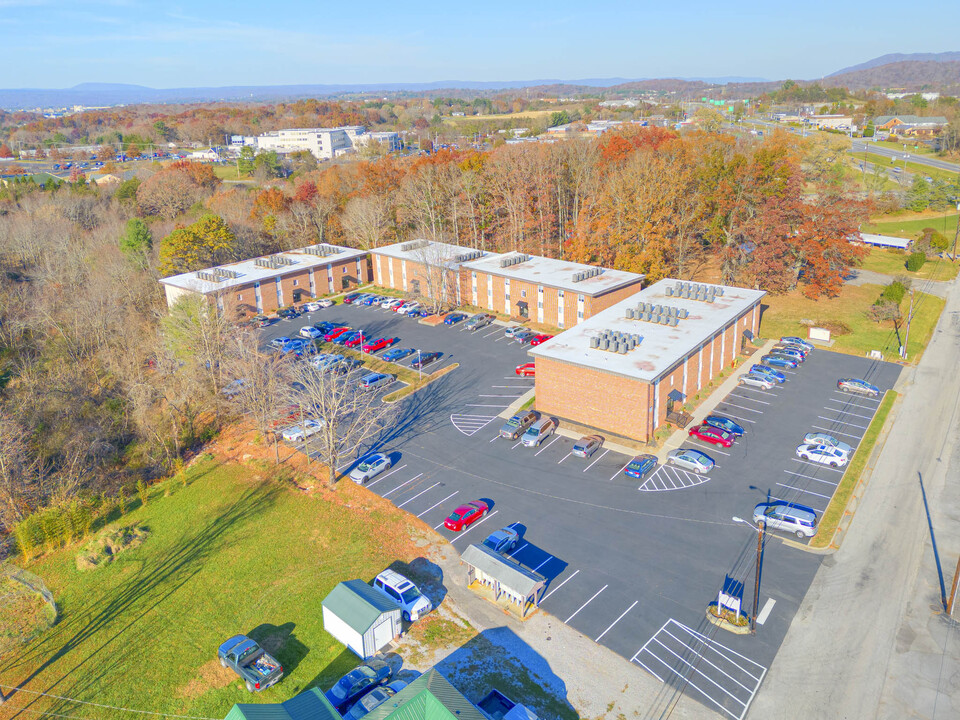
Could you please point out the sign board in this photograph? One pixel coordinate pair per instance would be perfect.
(731, 595)
(821, 334)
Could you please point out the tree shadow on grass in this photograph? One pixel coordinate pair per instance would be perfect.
(279, 641)
(120, 610)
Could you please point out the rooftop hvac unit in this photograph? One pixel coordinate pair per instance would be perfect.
(709, 298)
(669, 292)
(622, 348)
(684, 313)
(631, 313)
(664, 319)
(686, 294)
(719, 291)
(594, 342)
(673, 322)
(604, 344)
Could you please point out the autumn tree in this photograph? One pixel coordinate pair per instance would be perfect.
(205, 243)
(5, 151)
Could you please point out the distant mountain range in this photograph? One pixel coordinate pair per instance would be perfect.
(942, 75)
(899, 58)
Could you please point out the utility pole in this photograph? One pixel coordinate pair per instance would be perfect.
(906, 340)
(957, 233)
(953, 596)
(756, 587)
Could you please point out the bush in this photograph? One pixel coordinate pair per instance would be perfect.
(894, 292)
(915, 261)
(933, 239)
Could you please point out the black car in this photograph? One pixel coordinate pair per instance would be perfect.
(289, 313)
(525, 337)
(357, 683)
(424, 359)
(345, 366)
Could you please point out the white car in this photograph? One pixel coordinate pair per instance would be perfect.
(311, 306)
(412, 602)
(324, 303)
(821, 438)
(310, 332)
(408, 308)
(391, 303)
(303, 430)
(756, 380)
(823, 454)
(370, 467)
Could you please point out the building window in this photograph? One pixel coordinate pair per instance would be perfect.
(580, 298)
(296, 282)
(344, 269)
(523, 293)
(560, 294)
(239, 297)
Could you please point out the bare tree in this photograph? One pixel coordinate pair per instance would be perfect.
(434, 276)
(261, 385)
(196, 333)
(16, 491)
(367, 220)
(350, 415)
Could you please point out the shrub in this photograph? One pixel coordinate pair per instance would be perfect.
(933, 239)
(143, 492)
(894, 292)
(915, 261)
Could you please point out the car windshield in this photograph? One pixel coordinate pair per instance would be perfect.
(409, 595)
(343, 688)
(455, 515)
(247, 654)
(513, 422)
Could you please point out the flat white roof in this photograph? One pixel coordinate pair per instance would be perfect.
(431, 252)
(248, 271)
(554, 273)
(661, 346)
(884, 240)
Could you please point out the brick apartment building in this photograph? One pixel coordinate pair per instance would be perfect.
(265, 284)
(623, 369)
(548, 291)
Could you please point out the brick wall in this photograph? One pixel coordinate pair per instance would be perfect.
(595, 304)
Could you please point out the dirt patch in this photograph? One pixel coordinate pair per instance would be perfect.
(211, 676)
(108, 545)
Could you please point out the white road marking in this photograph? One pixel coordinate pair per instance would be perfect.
(851, 396)
(439, 503)
(503, 396)
(709, 446)
(564, 457)
(518, 549)
(517, 443)
(616, 621)
(478, 522)
(494, 438)
(847, 412)
(747, 398)
(818, 465)
(842, 422)
(811, 477)
(767, 609)
(549, 558)
(598, 460)
(614, 477)
(555, 438)
(388, 494)
(765, 393)
(809, 492)
(559, 586)
(479, 405)
(384, 477)
(850, 401)
(508, 387)
(738, 419)
(418, 494)
(741, 407)
(837, 432)
(567, 621)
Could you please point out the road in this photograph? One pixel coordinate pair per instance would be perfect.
(870, 639)
(859, 146)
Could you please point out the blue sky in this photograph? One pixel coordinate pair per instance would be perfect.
(59, 43)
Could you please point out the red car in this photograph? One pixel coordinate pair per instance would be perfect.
(526, 370)
(335, 333)
(714, 435)
(354, 342)
(375, 345)
(540, 339)
(465, 515)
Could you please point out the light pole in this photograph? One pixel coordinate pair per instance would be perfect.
(419, 367)
(761, 531)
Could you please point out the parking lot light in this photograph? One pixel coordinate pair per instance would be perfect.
(761, 531)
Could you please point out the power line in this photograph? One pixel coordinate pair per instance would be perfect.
(108, 707)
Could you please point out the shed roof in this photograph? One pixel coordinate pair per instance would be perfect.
(429, 697)
(358, 604)
(308, 705)
(539, 270)
(505, 569)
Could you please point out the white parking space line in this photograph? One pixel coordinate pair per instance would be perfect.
(818, 465)
(544, 563)
(491, 333)
(564, 457)
(739, 419)
(811, 477)
(598, 460)
(437, 527)
(494, 438)
(560, 586)
(518, 549)
(478, 522)
(616, 621)
(765, 393)
(508, 387)
(567, 621)
(388, 494)
(614, 477)
(418, 494)
(809, 492)
(741, 407)
(850, 401)
(503, 396)
(480, 405)
(708, 446)
(837, 432)
(396, 469)
(439, 503)
(555, 438)
(747, 398)
(842, 422)
(850, 396)
(847, 413)
(765, 612)
(517, 443)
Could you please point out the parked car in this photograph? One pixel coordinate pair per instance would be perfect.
(587, 445)
(408, 308)
(698, 462)
(756, 380)
(412, 602)
(540, 339)
(325, 303)
(327, 326)
(503, 540)
(424, 359)
(374, 699)
(355, 339)
(857, 387)
(514, 330)
(348, 364)
(379, 344)
(822, 438)
(780, 347)
(288, 313)
(641, 466)
(311, 306)
(518, 424)
(279, 342)
(713, 435)
(302, 430)
(349, 335)
(370, 467)
(792, 340)
(823, 454)
(419, 313)
(539, 431)
(524, 338)
(465, 515)
(375, 380)
(310, 332)
(479, 321)
(394, 354)
(526, 370)
(261, 321)
(391, 303)
(788, 352)
(791, 517)
(348, 299)
(357, 683)
(724, 424)
(336, 332)
(781, 361)
(453, 318)
(768, 372)
(257, 668)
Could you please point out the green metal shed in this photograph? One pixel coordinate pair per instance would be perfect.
(362, 618)
(309, 705)
(429, 697)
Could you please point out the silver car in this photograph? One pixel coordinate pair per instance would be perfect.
(690, 459)
(587, 445)
(821, 438)
(303, 430)
(518, 424)
(370, 467)
(756, 380)
(823, 454)
(503, 540)
(857, 387)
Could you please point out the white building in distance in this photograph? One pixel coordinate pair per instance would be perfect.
(323, 143)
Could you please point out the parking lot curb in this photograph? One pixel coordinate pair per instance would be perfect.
(515, 406)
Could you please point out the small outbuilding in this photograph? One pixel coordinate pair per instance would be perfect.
(362, 618)
(504, 578)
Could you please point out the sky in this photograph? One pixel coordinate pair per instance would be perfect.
(60, 43)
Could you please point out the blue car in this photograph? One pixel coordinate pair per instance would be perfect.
(397, 354)
(454, 318)
(768, 372)
(718, 421)
(641, 466)
(779, 361)
(357, 683)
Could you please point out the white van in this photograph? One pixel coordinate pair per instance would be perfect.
(790, 517)
(539, 431)
(412, 602)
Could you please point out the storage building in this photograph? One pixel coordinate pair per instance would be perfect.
(308, 705)
(429, 697)
(504, 577)
(363, 619)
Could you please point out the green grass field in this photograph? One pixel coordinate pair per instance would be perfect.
(782, 315)
(912, 167)
(912, 147)
(893, 262)
(911, 226)
(231, 552)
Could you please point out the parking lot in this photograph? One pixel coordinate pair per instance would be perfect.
(630, 563)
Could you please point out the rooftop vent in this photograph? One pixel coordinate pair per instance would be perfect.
(414, 245)
(217, 275)
(322, 250)
(274, 262)
(468, 256)
(615, 341)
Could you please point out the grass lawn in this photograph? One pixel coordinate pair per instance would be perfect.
(914, 148)
(912, 167)
(527, 115)
(229, 172)
(838, 504)
(893, 262)
(911, 226)
(782, 315)
(232, 551)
